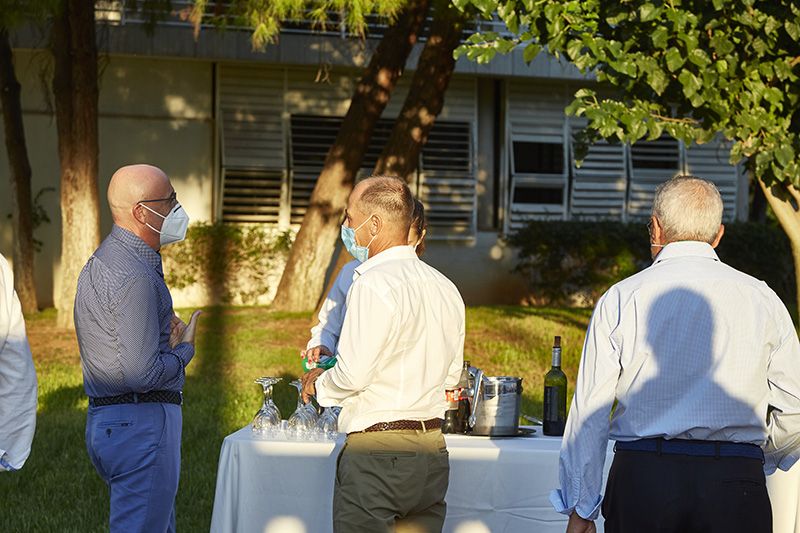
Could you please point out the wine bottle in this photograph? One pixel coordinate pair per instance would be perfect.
(555, 395)
(462, 425)
(451, 423)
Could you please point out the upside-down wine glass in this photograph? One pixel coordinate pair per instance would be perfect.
(304, 419)
(327, 425)
(268, 419)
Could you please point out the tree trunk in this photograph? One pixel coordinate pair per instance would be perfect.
(20, 177)
(425, 99)
(785, 202)
(304, 274)
(75, 90)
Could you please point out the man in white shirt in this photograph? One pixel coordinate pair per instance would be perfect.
(17, 378)
(401, 346)
(703, 363)
(325, 334)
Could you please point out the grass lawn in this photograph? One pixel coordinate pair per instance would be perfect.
(58, 489)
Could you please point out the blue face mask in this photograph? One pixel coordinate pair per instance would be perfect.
(361, 253)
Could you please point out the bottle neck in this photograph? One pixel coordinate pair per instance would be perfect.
(556, 357)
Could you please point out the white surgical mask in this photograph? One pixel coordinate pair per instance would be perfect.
(174, 227)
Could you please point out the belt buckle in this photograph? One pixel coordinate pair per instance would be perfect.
(135, 397)
(180, 392)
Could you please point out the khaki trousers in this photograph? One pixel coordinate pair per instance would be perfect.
(391, 481)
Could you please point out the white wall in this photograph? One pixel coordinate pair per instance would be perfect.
(151, 110)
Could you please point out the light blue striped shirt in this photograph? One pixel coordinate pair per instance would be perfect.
(123, 311)
(689, 348)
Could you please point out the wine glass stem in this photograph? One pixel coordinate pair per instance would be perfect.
(267, 395)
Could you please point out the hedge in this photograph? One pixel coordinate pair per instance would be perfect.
(574, 262)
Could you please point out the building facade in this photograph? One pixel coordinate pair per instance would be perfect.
(243, 135)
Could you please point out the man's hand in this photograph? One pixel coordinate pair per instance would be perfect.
(315, 353)
(308, 380)
(191, 328)
(577, 524)
(177, 327)
(181, 332)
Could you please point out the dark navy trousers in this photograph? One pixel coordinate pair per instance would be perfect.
(136, 449)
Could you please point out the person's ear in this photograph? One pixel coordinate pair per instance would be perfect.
(138, 212)
(375, 225)
(656, 232)
(718, 238)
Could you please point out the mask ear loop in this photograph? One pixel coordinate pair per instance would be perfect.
(355, 237)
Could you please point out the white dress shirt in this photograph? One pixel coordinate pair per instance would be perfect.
(402, 343)
(690, 348)
(17, 378)
(331, 314)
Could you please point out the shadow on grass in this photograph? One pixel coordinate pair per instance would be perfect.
(58, 488)
(565, 317)
(205, 424)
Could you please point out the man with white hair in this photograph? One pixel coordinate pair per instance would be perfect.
(693, 368)
(134, 352)
(401, 346)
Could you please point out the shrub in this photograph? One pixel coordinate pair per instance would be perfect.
(235, 263)
(574, 262)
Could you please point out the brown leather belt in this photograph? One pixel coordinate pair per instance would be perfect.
(404, 425)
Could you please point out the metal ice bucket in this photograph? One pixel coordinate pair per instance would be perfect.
(495, 404)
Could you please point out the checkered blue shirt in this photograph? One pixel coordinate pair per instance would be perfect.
(122, 318)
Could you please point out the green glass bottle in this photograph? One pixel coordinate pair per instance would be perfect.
(555, 395)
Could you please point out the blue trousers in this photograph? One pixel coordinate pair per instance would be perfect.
(136, 449)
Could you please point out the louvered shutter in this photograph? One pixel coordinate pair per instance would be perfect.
(710, 161)
(652, 163)
(598, 185)
(252, 143)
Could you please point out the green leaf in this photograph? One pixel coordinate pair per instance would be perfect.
(654, 129)
(585, 93)
(659, 37)
(658, 81)
(574, 48)
(648, 12)
(504, 46)
(759, 45)
(689, 82)
(674, 59)
(784, 154)
(721, 65)
(530, 52)
(793, 29)
(699, 58)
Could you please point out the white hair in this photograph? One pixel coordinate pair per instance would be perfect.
(688, 208)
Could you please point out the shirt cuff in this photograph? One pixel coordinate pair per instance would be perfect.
(185, 352)
(5, 465)
(559, 504)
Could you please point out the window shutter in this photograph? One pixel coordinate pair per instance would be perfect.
(447, 180)
(252, 143)
(711, 161)
(652, 162)
(598, 185)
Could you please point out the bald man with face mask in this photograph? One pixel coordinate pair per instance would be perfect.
(134, 352)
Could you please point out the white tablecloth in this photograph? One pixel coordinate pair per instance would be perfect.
(280, 486)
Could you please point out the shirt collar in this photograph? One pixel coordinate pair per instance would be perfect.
(138, 247)
(686, 249)
(390, 254)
